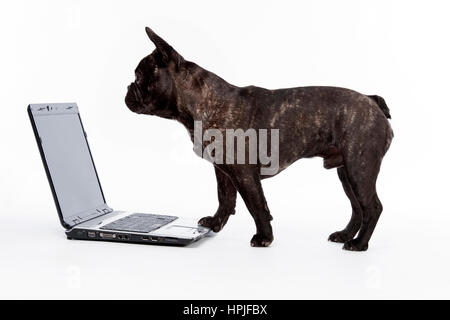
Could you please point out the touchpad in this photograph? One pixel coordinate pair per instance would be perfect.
(177, 230)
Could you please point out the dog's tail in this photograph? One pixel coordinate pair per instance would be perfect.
(382, 104)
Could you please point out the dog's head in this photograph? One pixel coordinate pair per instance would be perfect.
(153, 91)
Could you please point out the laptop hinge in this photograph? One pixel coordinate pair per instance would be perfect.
(89, 215)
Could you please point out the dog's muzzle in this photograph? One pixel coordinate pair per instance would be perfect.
(133, 99)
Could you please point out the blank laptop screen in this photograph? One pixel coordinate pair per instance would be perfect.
(69, 162)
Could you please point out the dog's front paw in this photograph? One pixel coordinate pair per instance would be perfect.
(355, 245)
(261, 241)
(340, 237)
(214, 223)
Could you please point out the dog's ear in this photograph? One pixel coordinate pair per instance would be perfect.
(168, 53)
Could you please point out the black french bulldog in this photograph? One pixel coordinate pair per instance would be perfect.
(349, 130)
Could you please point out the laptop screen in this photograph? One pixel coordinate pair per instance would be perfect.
(68, 159)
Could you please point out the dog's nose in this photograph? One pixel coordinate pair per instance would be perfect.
(130, 95)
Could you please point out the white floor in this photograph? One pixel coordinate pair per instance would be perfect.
(411, 262)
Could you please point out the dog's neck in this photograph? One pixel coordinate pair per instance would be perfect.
(198, 93)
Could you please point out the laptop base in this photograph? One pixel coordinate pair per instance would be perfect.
(112, 236)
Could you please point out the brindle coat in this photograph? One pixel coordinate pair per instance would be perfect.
(348, 129)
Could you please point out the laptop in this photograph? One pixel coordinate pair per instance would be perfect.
(77, 192)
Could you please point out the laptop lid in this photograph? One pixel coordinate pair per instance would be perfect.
(68, 162)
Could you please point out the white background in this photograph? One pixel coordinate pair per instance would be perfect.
(86, 51)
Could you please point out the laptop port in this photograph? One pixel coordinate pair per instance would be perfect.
(123, 237)
(91, 234)
(107, 235)
(147, 238)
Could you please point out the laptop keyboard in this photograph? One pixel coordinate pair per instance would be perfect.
(139, 222)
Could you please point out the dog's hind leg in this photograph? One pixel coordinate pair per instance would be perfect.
(355, 221)
(362, 176)
(226, 192)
